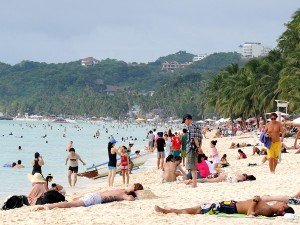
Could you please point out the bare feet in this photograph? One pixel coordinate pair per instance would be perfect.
(159, 209)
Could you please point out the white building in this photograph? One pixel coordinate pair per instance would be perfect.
(89, 61)
(254, 49)
(171, 66)
(199, 57)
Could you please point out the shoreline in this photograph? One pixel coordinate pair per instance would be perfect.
(285, 182)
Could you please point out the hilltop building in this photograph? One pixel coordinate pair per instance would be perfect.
(254, 49)
(199, 57)
(171, 66)
(89, 61)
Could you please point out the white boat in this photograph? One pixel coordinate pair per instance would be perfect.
(98, 171)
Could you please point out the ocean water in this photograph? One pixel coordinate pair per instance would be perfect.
(91, 150)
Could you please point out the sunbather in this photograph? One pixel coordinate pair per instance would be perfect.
(294, 200)
(251, 207)
(232, 178)
(98, 198)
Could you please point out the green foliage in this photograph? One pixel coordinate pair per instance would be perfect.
(252, 90)
(217, 61)
(180, 57)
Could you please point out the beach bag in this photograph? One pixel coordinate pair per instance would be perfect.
(15, 201)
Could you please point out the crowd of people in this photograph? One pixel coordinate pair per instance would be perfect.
(180, 156)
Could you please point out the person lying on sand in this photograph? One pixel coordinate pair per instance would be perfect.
(98, 198)
(251, 207)
(238, 145)
(294, 200)
(224, 177)
(228, 177)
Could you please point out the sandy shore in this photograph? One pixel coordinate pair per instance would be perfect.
(285, 181)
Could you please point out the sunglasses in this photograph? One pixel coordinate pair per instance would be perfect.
(273, 118)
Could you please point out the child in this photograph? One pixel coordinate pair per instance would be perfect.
(214, 153)
(124, 164)
(224, 162)
(242, 155)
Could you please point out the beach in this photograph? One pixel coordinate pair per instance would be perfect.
(286, 181)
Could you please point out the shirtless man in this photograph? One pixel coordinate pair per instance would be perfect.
(19, 165)
(251, 207)
(98, 198)
(170, 168)
(273, 130)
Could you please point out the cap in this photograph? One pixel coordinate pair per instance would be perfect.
(131, 142)
(187, 116)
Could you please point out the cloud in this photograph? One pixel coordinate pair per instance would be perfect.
(134, 30)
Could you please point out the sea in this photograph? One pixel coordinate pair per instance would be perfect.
(50, 140)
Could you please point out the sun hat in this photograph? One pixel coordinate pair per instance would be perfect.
(36, 178)
(112, 140)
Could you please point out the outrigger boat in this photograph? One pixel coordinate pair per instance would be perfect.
(101, 170)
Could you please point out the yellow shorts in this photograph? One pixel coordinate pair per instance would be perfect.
(274, 150)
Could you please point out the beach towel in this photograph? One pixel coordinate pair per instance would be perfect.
(243, 216)
(263, 138)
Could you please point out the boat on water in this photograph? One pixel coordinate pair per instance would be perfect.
(59, 120)
(101, 170)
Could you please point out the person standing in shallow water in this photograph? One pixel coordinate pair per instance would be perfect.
(73, 166)
(37, 163)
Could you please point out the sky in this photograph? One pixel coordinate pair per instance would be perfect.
(135, 30)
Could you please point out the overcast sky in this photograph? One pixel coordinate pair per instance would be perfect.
(135, 30)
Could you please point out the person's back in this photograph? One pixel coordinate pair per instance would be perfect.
(176, 143)
(160, 142)
(36, 192)
(169, 171)
(36, 167)
(203, 169)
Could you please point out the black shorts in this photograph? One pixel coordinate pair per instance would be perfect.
(73, 169)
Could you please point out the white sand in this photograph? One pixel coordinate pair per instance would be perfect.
(286, 181)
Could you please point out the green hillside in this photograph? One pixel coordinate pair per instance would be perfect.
(35, 87)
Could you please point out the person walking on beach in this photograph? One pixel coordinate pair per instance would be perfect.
(273, 130)
(160, 145)
(184, 138)
(193, 145)
(150, 138)
(124, 164)
(37, 163)
(112, 161)
(73, 166)
(176, 144)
